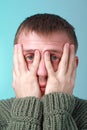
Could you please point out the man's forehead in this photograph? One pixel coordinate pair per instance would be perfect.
(37, 42)
(41, 43)
(43, 46)
(33, 37)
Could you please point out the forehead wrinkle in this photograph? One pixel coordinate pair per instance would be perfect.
(50, 50)
(51, 42)
(44, 40)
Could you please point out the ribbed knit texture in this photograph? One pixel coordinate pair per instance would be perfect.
(55, 111)
(25, 114)
(58, 111)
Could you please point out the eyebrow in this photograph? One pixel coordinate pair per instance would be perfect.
(30, 50)
(50, 50)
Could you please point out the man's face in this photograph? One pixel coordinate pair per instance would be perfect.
(53, 43)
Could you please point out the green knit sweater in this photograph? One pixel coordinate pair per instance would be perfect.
(55, 111)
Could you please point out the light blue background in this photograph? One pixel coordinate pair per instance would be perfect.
(13, 12)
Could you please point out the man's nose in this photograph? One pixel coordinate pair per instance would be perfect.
(42, 69)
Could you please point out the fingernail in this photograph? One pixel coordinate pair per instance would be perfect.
(67, 44)
(47, 53)
(36, 52)
(72, 45)
(18, 45)
(15, 46)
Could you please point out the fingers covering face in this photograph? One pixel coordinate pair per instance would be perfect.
(66, 64)
(18, 61)
(36, 61)
(48, 63)
(71, 66)
(68, 60)
(63, 65)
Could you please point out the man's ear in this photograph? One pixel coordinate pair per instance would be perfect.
(76, 60)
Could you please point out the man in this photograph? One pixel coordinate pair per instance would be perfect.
(44, 73)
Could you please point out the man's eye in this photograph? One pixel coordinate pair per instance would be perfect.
(30, 57)
(54, 58)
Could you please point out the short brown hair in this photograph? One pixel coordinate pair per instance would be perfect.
(47, 24)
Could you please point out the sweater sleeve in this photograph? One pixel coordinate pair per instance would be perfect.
(26, 114)
(58, 108)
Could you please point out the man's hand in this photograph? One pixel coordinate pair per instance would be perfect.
(24, 80)
(63, 79)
